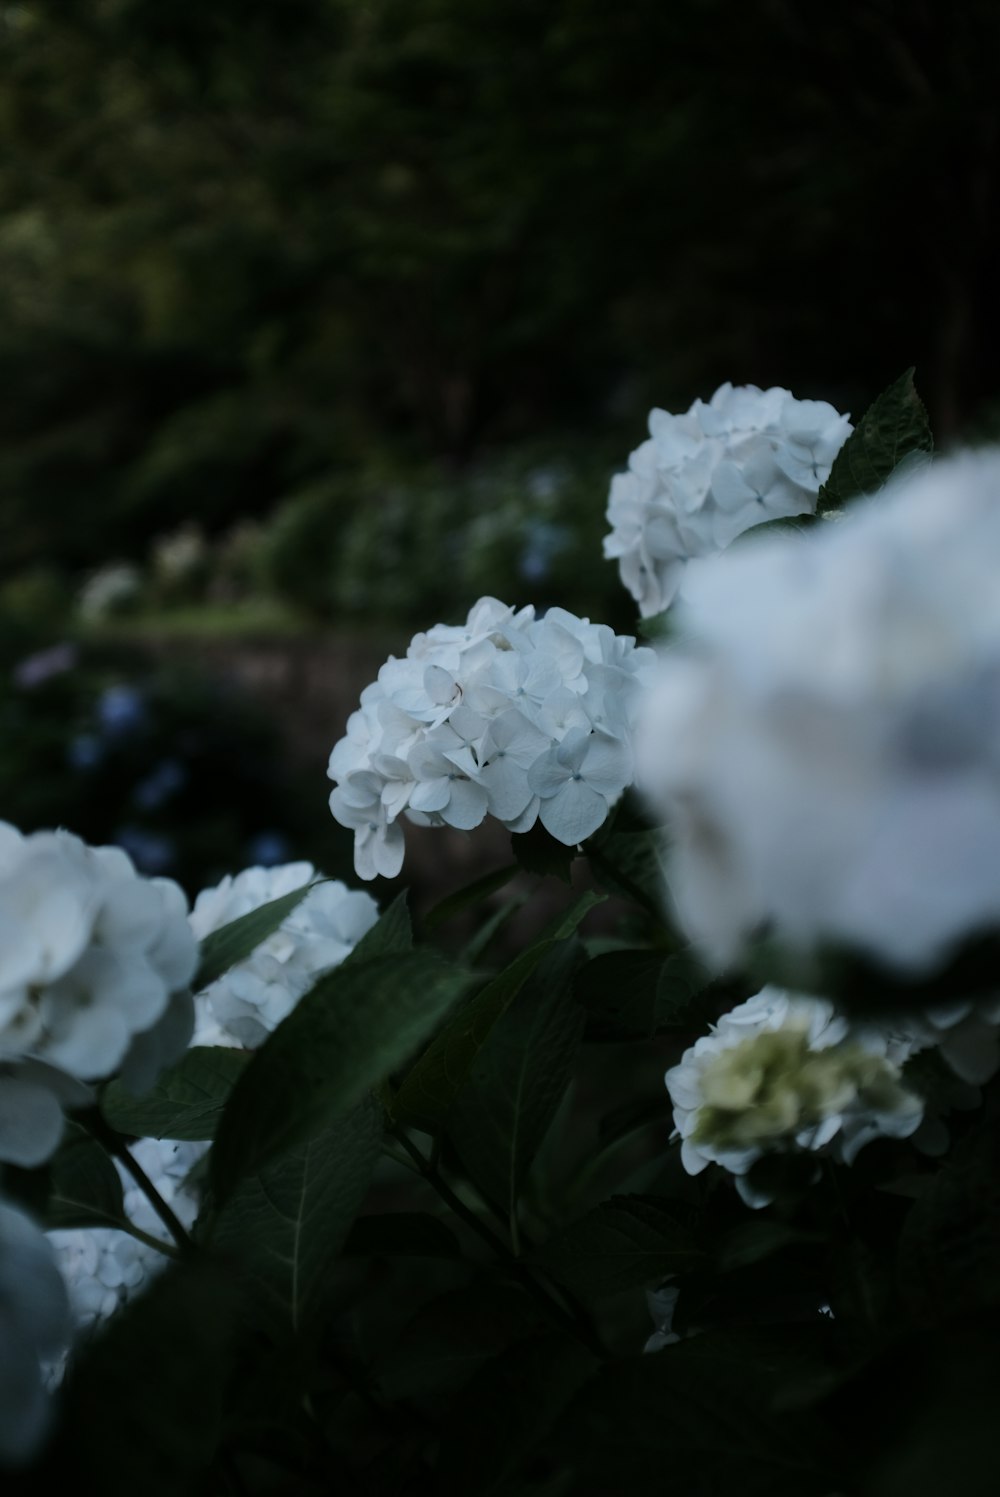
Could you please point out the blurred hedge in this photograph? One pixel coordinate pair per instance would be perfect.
(249, 247)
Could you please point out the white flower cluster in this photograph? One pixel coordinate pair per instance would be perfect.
(34, 1328)
(104, 1267)
(94, 967)
(825, 746)
(250, 1000)
(703, 478)
(510, 715)
(783, 1072)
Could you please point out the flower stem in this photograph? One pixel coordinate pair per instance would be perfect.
(166, 1248)
(167, 1216)
(576, 1327)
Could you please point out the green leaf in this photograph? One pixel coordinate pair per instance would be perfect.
(701, 1412)
(517, 1082)
(622, 1244)
(632, 994)
(85, 1188)
(506, 1410)
(402, 1234)
(233, 943)
(629, 864)
(451, 1336)
(473, 893)
(894, 427)
(284, 1227)
(187, 1100)
(657, 628)
(143, 1406)
(429, 1091)
(357, 1025)
(490, 928)
(392, 931)
(949, 1250)
(538, 851)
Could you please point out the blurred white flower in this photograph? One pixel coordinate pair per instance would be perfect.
(824, 745)
(94, 966)
(509, 716)
(703, 478)
(112, 589)
(244, 1005)
(782, 1072)
(34, 1328)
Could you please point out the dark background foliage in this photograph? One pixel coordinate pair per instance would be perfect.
(249, 246)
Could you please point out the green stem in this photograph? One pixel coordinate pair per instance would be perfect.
(560, 1317)
(169, 1219)
(166, 1248)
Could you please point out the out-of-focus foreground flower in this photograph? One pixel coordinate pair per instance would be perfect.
(824, 743)
(34, 1328)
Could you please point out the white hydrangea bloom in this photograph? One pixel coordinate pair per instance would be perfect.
(250, 1000)
(508, 715)
(784, 1072)
(103, 1267)
(94, 966)
(825, 744)
(703, 478)
(34, 1328)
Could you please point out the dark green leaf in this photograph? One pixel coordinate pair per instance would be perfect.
(85, 1188)
(473, 893)
(490, 928)
(538, 851)
(428, 1093)
(402, 1234)
(894, 427)
(454, 1334)
(632, 994)
(284, 1227)
(658, 627)
(698, 1413)
(187, 1100)
(143, 1410)
(624, 1243)
(753, 1241)
(517, 1082)
(618, 990)
(949, 1251)
(392, 931)
(356, 1026)
(629, 864)
(236, 941)
(507, 1409)
(568, 922)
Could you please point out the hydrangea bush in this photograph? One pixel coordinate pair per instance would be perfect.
(671, 1189)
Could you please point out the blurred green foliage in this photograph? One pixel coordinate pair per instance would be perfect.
(251, 248)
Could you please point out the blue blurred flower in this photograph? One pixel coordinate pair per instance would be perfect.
(267, 849)
(84, 751)
(163, 781)
(35, 669)
(150, 851)
(544, 543)
(120, 709)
